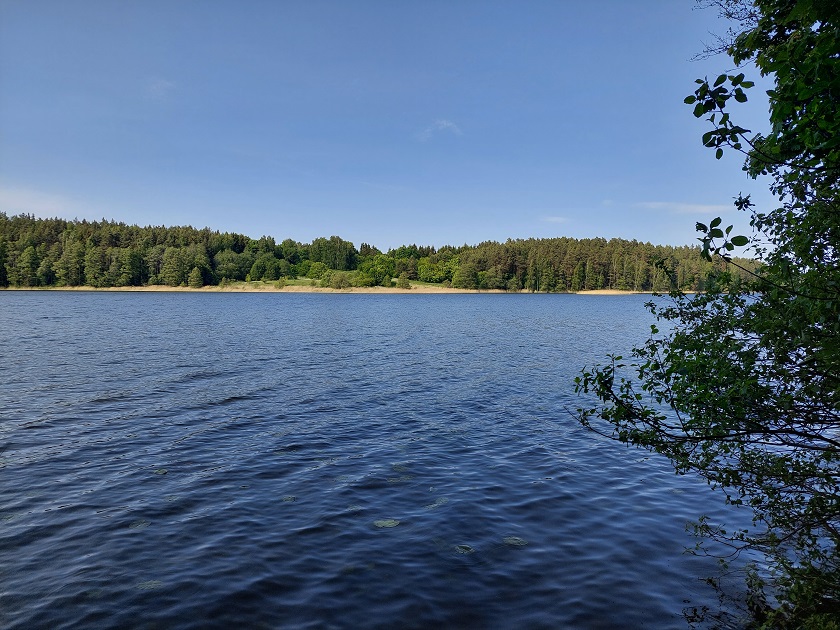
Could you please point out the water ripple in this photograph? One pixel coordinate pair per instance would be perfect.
(327, 462)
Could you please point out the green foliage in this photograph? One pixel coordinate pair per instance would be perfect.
(260, 246)
(380, 268)
(266, 267)
(302, 268)
(366, 250)
(338, 280)
(466, 277)
(334, 252)
(179, 261)
(429, 271)
(361, 279)
(96, 264)
(743, 386)
(24, 271)
(228, 264)
(114, 254)
(195, 280)
(317, 270)
(4, 279)
(403, 282)
(290, 251)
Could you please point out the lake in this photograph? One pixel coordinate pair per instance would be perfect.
(289, 460)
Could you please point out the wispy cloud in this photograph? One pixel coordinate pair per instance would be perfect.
(555, 219)
(27, 201)
(440, 125)
(673, 207)
(158, 88)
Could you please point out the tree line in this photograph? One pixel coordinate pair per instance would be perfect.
(55, 252)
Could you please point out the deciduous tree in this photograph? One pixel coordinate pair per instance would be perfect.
(743, 385)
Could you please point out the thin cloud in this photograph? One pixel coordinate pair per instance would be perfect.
(440, 125)
(555, 219)
(673, 207)
(28, 201)
(159, 88)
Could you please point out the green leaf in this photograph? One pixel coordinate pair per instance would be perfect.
(718, 154)
(715, 222)
(689, 100)
(720, 80)
(740, 241)
(700, 227)
(699, 110)
(716, 233)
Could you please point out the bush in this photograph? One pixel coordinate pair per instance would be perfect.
(402, 281)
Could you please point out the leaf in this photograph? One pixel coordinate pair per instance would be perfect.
(699, 110)
(740, 241)
(718, 154)
(690, 100)
(715, 222)
(700, 227)
(720, 80)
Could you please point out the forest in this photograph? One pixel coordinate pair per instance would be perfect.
(54, 252)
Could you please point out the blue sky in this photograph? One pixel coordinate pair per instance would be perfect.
(388, 121)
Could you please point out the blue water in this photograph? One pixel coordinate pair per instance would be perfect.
(328, 461)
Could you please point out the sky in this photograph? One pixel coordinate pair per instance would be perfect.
(388, 122)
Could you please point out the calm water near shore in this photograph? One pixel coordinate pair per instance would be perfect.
(329, 461)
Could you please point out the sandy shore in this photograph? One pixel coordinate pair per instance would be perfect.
(612, 292)
(294, 288)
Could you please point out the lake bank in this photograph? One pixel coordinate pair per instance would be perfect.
(259, 287)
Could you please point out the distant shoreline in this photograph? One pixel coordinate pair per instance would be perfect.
(294, 288)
